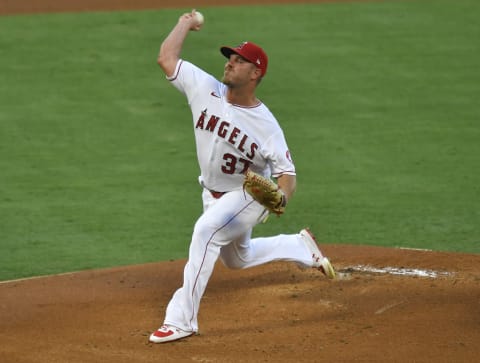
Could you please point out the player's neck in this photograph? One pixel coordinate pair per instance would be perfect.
(241, 98)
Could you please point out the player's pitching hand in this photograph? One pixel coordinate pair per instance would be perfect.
(194, 19)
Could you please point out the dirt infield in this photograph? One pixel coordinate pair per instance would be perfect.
(273, 313)
(388, 305)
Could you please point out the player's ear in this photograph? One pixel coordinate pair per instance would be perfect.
(257, 74)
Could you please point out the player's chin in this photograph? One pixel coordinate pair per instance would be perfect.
(226, 81)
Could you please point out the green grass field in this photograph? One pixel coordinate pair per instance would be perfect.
(379, 102)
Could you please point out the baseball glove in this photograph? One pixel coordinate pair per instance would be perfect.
(265, 192)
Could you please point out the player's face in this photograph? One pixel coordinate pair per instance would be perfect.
(238, 71)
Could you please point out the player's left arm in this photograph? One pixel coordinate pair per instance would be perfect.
(288, 184)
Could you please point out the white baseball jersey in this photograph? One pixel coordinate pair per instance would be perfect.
(230, 138)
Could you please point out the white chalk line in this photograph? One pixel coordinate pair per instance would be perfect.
(37, 277)
(414, 249)
(415, 272)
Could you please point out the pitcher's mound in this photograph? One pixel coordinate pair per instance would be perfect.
(387, 305)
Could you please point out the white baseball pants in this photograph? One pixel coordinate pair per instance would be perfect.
(224, 230)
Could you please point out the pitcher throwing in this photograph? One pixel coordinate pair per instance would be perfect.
(234, 133)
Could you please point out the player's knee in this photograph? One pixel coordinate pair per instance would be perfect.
(232, 258)
(232, 263)
(205, 232)
(212, 232)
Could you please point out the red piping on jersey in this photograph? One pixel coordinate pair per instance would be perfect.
(175, 75)
(286, 172)
(254, 106)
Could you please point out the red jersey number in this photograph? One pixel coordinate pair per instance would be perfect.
(231, 161)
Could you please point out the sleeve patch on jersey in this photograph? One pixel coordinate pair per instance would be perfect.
(289, 156)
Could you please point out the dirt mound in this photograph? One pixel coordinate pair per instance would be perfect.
(388, 305)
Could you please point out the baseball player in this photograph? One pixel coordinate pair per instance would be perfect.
(234, 133)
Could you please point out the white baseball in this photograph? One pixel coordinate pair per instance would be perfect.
(199, 17)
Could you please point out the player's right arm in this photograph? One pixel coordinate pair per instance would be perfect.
(172, 45)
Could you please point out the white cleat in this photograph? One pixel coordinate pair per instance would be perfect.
(168, 333)
(320, 262)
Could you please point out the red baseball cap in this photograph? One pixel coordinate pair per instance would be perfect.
(251, 52)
